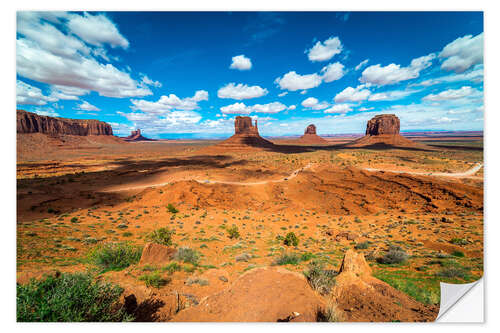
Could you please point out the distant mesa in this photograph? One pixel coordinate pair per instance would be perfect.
(383, 130)
(137, 136)
(246, 135)
(29, 122)
(310, 136)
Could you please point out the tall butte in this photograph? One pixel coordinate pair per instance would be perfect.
(383, 130)
(310, 136)
(246, 135)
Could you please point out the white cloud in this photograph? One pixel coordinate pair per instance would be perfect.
(361, 64)
(324, 51)
(476, 75)
(351, 94)
(292, 107)
(46, 112)
(283, 94)
(339, 108)
(462, 53)
(393, 73)
(293, 81)
(147, 81)
(171, 102)
(27, 94)
(362, 109)
(332, 72)
(241, 108)
(314, 104)
(86, 106)
(241, 63)
(303, 92)
(67, 93)
(452, 94)
(46, 54)
(241, 91)
(96, 30)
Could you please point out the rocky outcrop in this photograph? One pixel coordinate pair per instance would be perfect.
(28, 122)
(137, 136)
(383, 124)
(156, 254)
(246, 135)
(311, 129)
(310, 136)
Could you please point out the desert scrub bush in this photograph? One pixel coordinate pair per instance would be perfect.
(233, 232)
(69, 298)
(459, 254)
(362, 246)
(291, 239)
(172, 267)
(161, 236)
(453, 272)
(197, 280)
(172, 209)
(187, 255)
(74, 219)
(320, 279)
(287, 259)
(459, 241)
(330, 314)
(395, 255)
(114, 256)
(154, 279)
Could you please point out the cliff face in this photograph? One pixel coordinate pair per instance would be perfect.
(28, 122)
(243, 125)
(383, 124)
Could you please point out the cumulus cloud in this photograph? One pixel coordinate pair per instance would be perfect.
(350, 94)
(171, 102)
(67, 93)
(241, 91)
(361, 64)
(47, 54)
(30, 95)
(96, 30)
(463, 53)
(283, 94)
(241, 63)
(476, 75)
(241, 108)
(332, 72)
(147, 81)
(339, 108)
(293, 81)
(46, 112)
(314, 104)
(86, 106)
(451, 94)
(292, 107)
(324, 51)
(393, 73)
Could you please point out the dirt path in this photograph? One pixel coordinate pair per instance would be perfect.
(207, 181)
(464, 174)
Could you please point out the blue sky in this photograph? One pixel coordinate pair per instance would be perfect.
(175, 74)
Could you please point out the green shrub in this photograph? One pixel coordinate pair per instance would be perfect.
(114, 256)
(291, 239)
(172, 267)
(395, 255)
(69, 298)
(452, 272)
(161, 236)
(320, 279)
(458, 254)
(287, 259)
(154, 280)
(74, 219)
(233, 232)
(187, 255)
(172, 209)
(362, 246)
(459, 241)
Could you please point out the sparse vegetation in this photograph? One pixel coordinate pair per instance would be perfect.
(320, 279)
(161, 236)
(287, 259)
(187, 255)
(69, 298)
(395, 255)
(114, 256)
(233, 232)
(172, 209)
(291, 239)
(154, 279)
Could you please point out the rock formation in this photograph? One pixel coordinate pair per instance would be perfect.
(137, 136)
(246, 135)
(310, 136)
(383, 130)
(383, 124)
(28, 122)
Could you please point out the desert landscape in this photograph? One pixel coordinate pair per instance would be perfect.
(249, 229)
